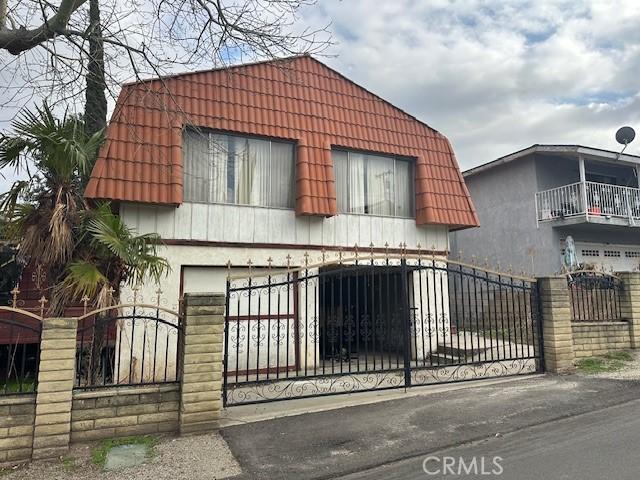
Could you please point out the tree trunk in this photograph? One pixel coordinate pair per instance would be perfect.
(95, 110)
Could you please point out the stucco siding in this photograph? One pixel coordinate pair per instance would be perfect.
(507, 237)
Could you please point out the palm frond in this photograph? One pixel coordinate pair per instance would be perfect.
(83, 278)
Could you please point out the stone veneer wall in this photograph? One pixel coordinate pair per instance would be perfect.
(124, 411)
(17, 415)
(594, 339)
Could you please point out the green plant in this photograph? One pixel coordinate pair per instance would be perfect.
(622, 355)
(610, 362)
(68, 463)
(99, 453)
(85, 249)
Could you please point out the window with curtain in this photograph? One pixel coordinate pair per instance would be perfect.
(373, 184)
(222, 168)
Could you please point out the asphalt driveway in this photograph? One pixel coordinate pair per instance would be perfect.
(338, 442)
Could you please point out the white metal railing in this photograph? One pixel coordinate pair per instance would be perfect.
(601, 200)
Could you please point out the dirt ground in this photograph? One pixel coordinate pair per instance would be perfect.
(204, 457)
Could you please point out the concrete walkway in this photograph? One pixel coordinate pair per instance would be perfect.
(331, 443)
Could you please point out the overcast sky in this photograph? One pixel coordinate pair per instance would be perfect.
(497, 76)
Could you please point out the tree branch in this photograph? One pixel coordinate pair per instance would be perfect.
(18, 40)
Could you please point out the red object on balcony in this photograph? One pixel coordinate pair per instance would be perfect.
(595, 211)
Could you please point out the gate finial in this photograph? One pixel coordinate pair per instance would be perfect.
(288, 257)
(85, 301)
(42, 302)
(324, 254)
(306, 259)
(269, 262)
(14, 294)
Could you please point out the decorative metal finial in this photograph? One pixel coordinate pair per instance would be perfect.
(486, 262)
(269, 262)
(386, 248)
(250, 264)
(324, 254)
(340, 255)
(288, 257)
(433, 252)
(158, 296)
(14, 294)
(42, 302)
(85, 301)
(135, 289)
(306, 259)
(510, 268)
(355, 249)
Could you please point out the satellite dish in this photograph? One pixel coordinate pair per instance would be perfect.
(625, 135)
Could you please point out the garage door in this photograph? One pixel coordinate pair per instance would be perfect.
(610, 257)
(207, 279)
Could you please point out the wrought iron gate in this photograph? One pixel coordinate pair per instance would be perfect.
(375, 322)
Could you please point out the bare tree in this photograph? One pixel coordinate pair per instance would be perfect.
(55, 46)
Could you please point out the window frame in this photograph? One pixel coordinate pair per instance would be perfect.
(411, 161)
(248, 136)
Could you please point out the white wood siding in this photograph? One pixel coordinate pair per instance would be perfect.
(244, 224)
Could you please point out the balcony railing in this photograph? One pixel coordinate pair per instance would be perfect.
(591, 199)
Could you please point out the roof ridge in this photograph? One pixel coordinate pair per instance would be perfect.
(218, 69)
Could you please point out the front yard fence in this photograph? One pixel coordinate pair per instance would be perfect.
(128, 370)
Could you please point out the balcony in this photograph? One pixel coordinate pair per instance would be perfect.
(589, 202)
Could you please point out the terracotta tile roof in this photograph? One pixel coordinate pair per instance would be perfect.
(298, 98)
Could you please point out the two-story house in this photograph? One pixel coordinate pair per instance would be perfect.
(276, 165)
(530, 201)
(273, 159)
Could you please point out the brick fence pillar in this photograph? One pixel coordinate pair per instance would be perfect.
(557, 335)
(55, 388)
(201, 392)
(630, 304)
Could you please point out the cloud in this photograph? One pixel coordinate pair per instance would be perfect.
(496, 76)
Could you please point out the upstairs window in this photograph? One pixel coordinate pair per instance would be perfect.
(221, 168)
(373, 184)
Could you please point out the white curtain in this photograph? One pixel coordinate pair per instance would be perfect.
(404, 189)
(196, 166)
(219, 148)
(380, 185)
(341, 174)
(282, 175)
(230, 169)
(357, 200)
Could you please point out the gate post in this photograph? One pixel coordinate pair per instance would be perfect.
(56, 375)
(557, 335)
(201, 382)
(630, 304)
(407, 322)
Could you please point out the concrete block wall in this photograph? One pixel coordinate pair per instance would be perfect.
(124, 411)
(596, 339)
(17, 416)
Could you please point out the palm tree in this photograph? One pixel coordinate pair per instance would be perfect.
(86, 251)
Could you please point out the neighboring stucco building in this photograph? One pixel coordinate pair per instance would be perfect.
(528, 202)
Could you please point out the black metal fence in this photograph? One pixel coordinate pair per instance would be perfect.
(595, 297)
(373, 323)
(20, 333)
(128, 345)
